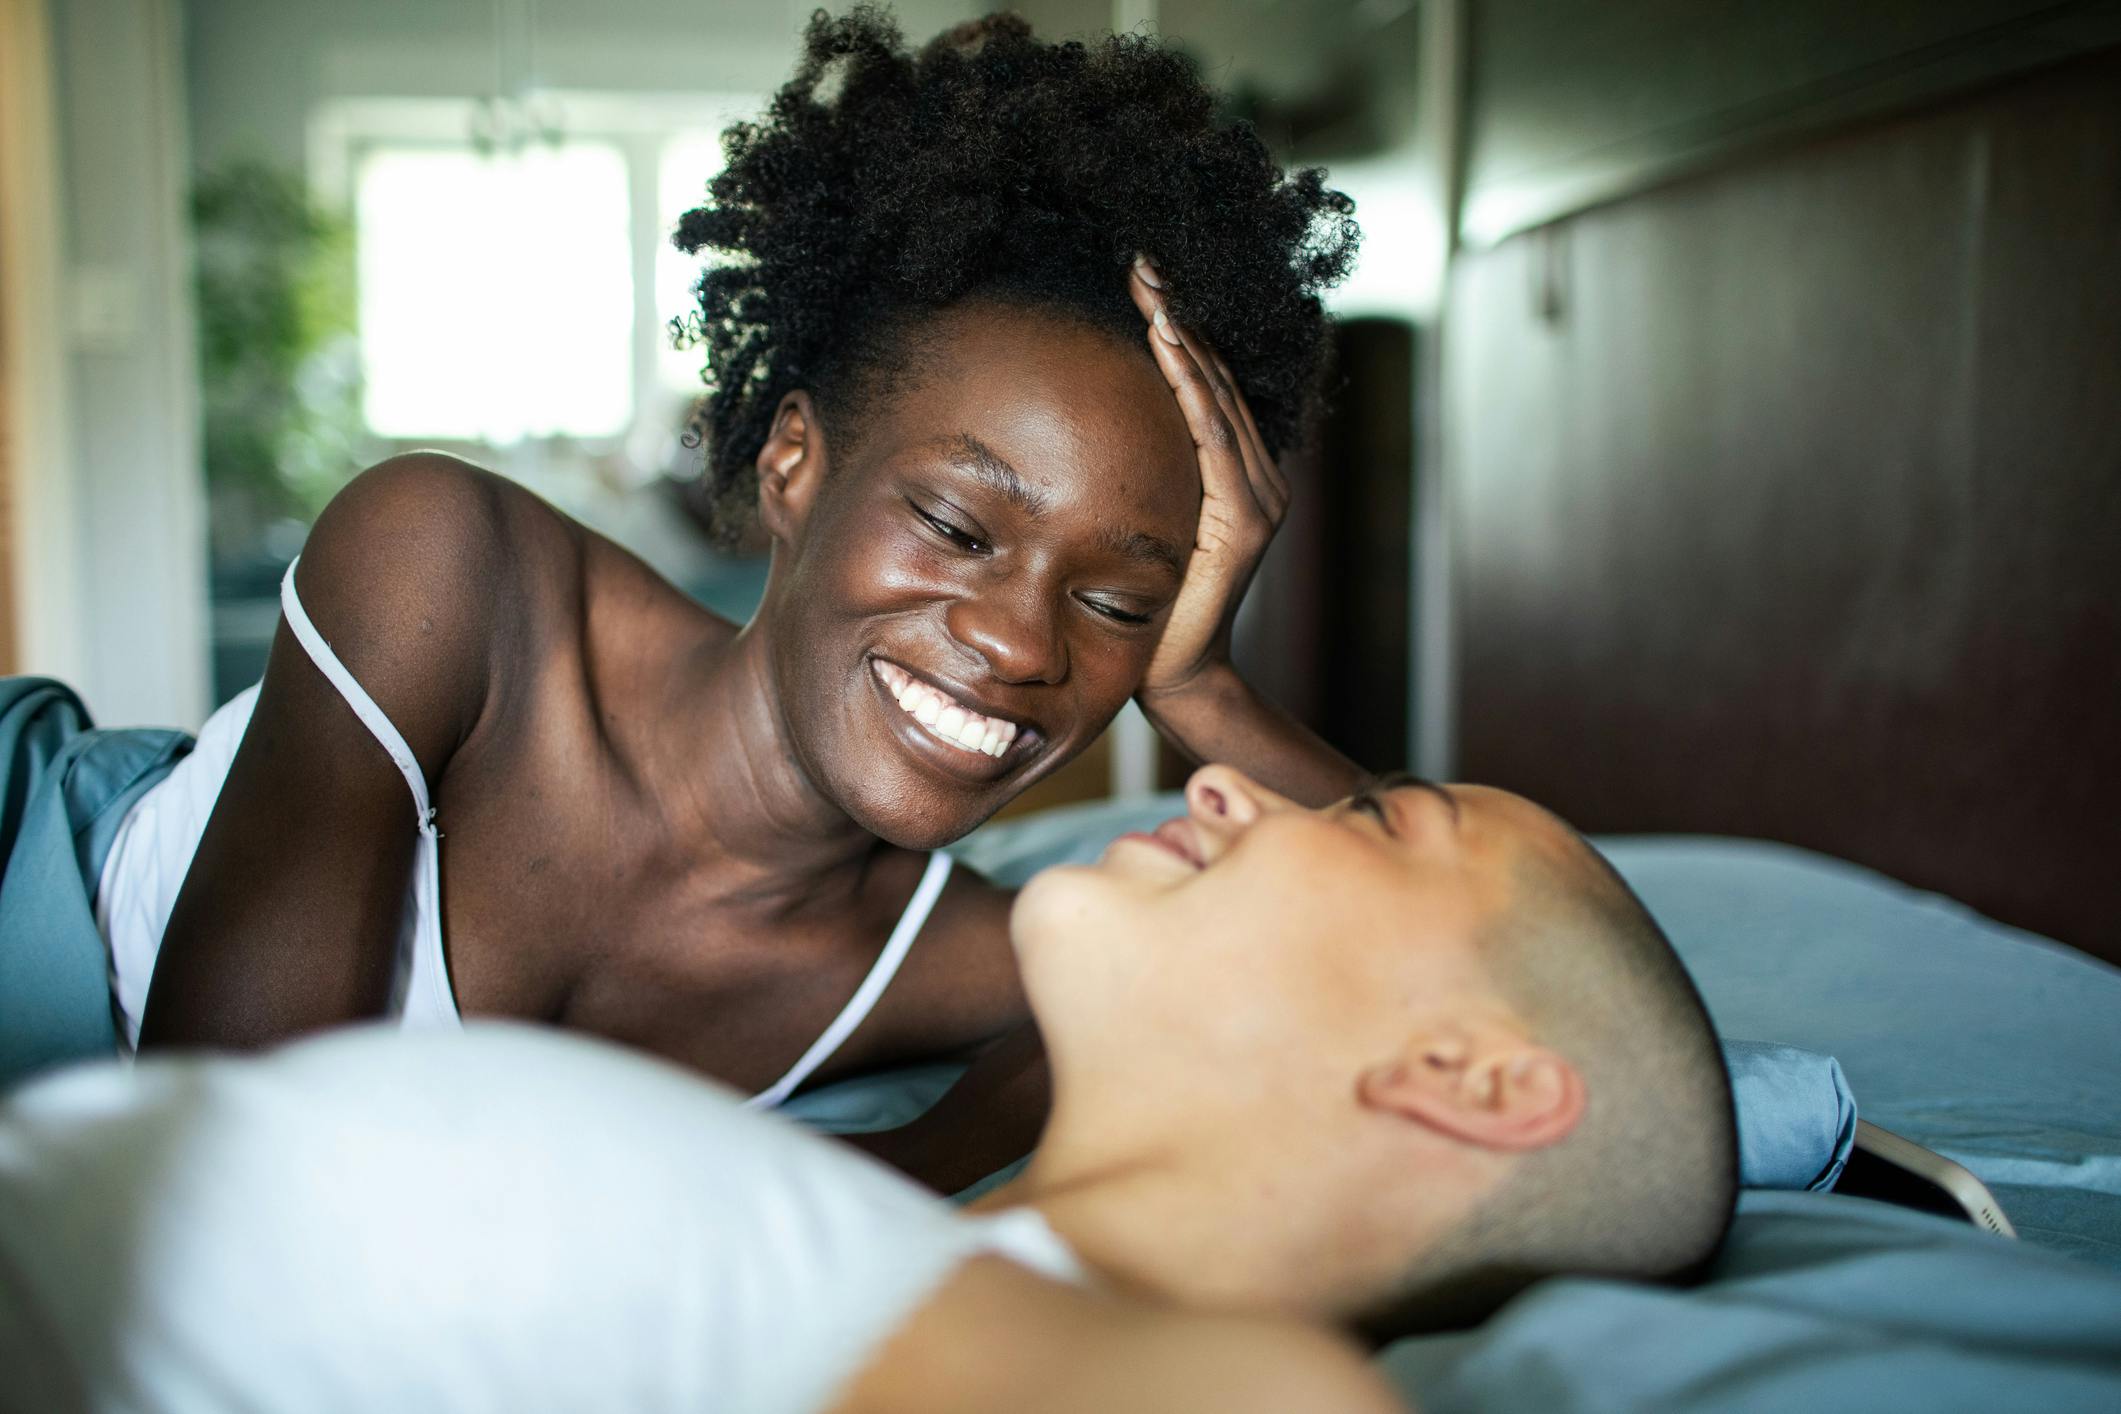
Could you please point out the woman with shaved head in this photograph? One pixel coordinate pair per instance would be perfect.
(1308, 1077)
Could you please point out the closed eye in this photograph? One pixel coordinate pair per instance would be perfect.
(1371, 798)
(1370, 805)
(1115, 613)
(950, 532)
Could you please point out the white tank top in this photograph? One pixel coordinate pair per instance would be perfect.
(156, 841)
(506, 1218)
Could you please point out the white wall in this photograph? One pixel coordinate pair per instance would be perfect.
(117, 594)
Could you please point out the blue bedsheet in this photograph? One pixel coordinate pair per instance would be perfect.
(1992, 1046)
(1995, 1047)
(1818, 1303)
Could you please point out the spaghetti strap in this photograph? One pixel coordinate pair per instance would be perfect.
(865, 996)
(356, 697)
(420, 991)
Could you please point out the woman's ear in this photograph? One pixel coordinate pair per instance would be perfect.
(1480, 1085)
(791, 465)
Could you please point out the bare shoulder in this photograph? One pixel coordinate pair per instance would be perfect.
(996, 1336)
(1258, 1365)
(425, 579)
(422, 567)
(426, 516)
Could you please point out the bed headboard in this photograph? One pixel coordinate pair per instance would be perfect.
(1786, 502)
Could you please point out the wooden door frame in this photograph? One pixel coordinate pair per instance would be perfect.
(39, 606)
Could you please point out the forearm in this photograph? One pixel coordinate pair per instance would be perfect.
(988, 1120)
(1218, 717)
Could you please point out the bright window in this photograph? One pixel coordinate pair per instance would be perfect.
(689, 161)
(496, 292)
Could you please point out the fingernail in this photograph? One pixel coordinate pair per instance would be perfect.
(1163, 327)
(1148, 273)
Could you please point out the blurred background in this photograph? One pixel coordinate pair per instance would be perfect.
(269, 242)
(1704, 358)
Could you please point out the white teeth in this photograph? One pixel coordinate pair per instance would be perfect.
(959, 726)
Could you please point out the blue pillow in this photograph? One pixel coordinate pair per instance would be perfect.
(1796, 1115)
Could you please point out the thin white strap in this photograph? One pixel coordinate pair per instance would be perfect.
(864, 999)
(356, 697)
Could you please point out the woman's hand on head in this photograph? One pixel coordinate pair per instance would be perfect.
(1191, 694)
(1243, 497)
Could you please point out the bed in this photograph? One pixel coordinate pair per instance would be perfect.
(1996, 1048)
(1780, 504)
(1773, 534)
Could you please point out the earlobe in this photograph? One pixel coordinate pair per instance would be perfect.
(1491, 1090)
(790, 465)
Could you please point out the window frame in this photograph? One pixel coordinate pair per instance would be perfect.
(343, 131)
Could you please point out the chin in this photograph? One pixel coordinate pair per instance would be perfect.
(911, 813)
(1038, 897)
(1060, 903)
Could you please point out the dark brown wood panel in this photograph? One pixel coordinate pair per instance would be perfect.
(1788, 503)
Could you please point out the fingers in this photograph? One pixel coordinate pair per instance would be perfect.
(1223, 473)
(1276, 481)
(1222, 425)
(1144, 283)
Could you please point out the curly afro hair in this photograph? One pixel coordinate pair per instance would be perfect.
(884, 186)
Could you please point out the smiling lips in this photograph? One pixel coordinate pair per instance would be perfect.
(943, 717)
(1176, 835)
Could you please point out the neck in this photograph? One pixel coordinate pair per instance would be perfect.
(726, 786)
(1192, 1225)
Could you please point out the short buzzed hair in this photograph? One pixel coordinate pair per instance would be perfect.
(1646, 1184)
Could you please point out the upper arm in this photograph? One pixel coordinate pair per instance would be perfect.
(995, 1336)
(288, 916)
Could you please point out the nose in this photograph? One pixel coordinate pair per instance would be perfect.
(1225, 802)
(1012, 627)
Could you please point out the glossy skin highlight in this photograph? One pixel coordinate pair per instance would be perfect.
(1278, 1021)
(1040, 601)
(1255, 951)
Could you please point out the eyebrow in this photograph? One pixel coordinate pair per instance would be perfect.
(1139, 545)
(994, 472)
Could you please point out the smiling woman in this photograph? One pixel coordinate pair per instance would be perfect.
(996, 540)
(1002, 339)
